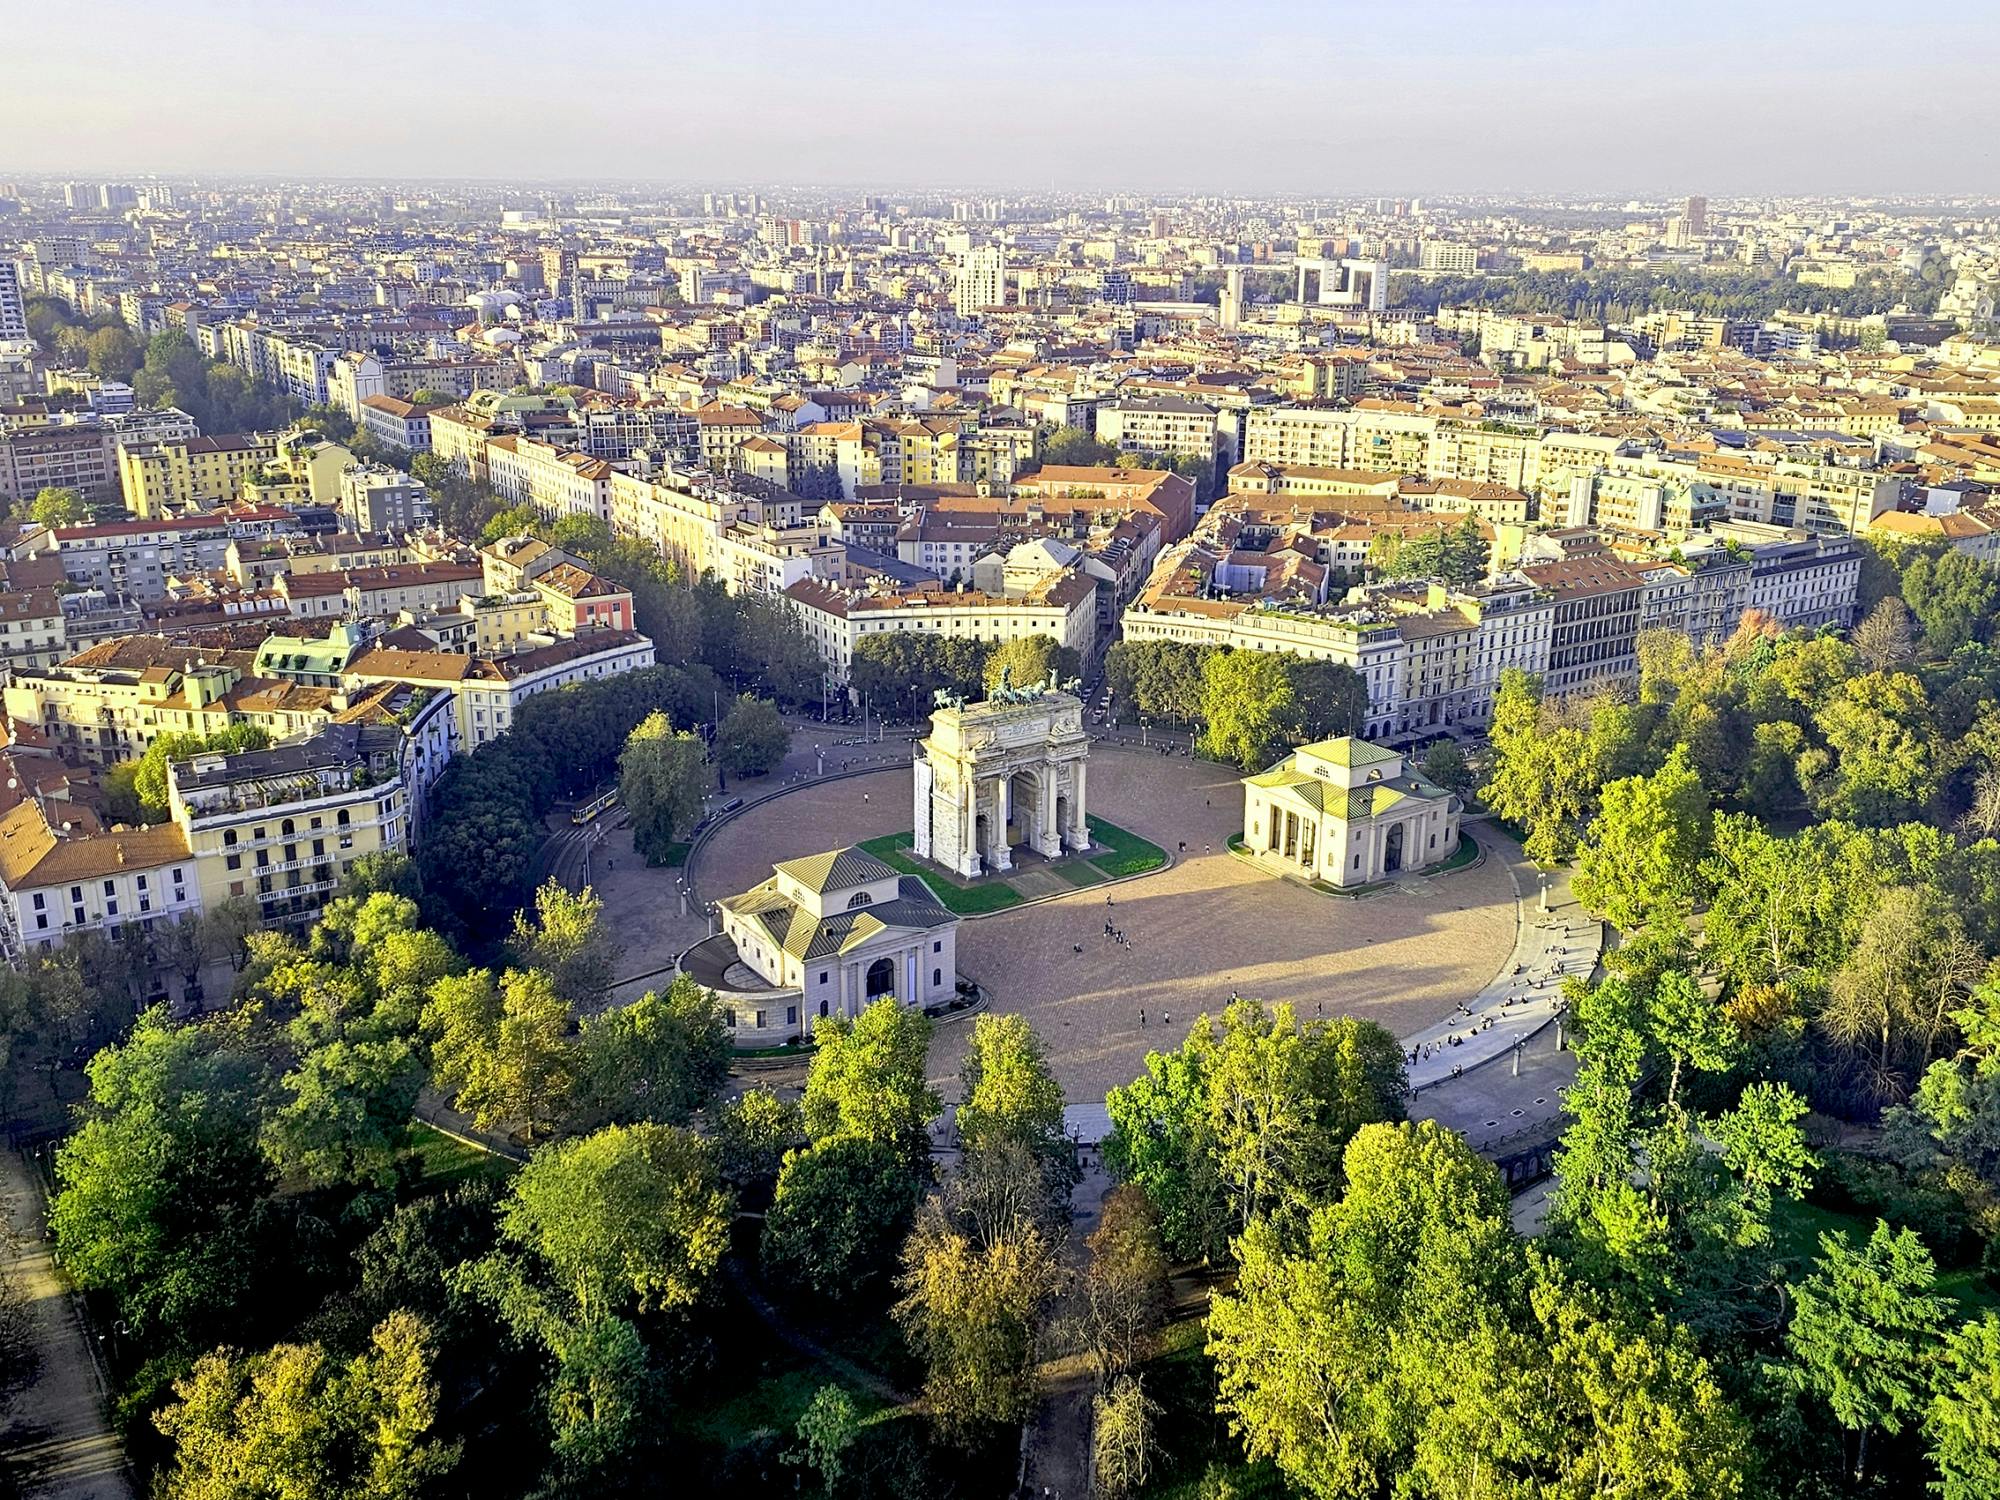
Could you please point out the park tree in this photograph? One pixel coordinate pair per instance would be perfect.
(159, 1188)
(632, 1217)
(1122, 1439)
(753, 1133)
(751, 739)
(1328, 1351)
(1330, 697)
(1887, 639)
(826, 1430)
(663, 778)
(1008, 1095)
(971, 1312)
(566, 940)
(1963, 1422)
(1877, 766)
(113, 354)
(1249, 1117)
(1249, 707)
(1866, 1327)
(1607, 1403)
(55, 505)
(1545, 773)
(660, 1058)
(1645, 850)
(603, 1406)
(1031, 659)
(1954, 597)
(502, 1050)
(1121, 1296)
(867, 1079)
(841, 1210)
(345, 1113)
(1891, 1004)
(293, 1422)
(1445, 765)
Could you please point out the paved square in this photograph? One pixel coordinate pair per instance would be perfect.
(1204, 927)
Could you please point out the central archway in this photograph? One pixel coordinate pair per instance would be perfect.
(1024, 809)
(1392, 851)
(881, 978)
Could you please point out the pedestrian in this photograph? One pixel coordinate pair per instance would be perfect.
(1208, 848)
(1076, 948)
(1165, 1019)
(1107, 898)
(1142, 1016)
(1183, 846)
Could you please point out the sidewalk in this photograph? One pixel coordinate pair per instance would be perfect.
(54, 1431)
(1525, 997)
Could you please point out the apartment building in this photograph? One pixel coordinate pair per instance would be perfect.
(197, 473)
(109, 702)
(487, 692)
(1429, 656)
(376, 498)
(837, 619)
(81, 456)
(356, 375)
(62, 873)
(376, 593)
(1599, 607)
(1161, 424)
(136, 558)
(284, 825)
(402, 425)
(556, 481)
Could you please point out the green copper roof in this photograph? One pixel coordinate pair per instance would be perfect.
(835, 870)
(1346, 750)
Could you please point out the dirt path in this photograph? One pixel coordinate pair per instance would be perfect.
(54, 1435)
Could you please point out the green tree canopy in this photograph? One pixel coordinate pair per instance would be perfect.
(752, 739)
(867, 1079)
(663, 779)
(633, 1216)
(293, 1422)
(841, 1211)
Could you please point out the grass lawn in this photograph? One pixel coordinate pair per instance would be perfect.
(1466, 852)
(1129, 854)
(446, 1160)
(1795, 1232)
(1123, 854)
(966, 900)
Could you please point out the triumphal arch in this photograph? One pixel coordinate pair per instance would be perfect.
(1001, 775)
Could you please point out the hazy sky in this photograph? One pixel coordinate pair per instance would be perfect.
(1537, 95)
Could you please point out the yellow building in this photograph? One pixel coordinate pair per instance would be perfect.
(198, 473)
(282, 826)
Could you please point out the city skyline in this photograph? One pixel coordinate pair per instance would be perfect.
(1118, 97)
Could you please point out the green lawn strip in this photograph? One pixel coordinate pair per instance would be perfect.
(446, 1160)
(966, 900)
(1130, 854)
(1796, 1228)
(1466, 852)
(772, 1404)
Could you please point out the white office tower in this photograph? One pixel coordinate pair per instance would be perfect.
(13, 311)
(982, 280)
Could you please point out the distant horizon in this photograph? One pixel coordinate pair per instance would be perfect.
(1774, 100)
(1600, 199)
